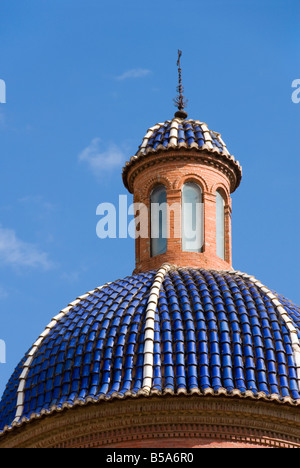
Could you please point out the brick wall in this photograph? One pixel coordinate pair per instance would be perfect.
(186, 442)
(173, 172)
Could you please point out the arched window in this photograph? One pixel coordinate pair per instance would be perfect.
(158, 200)
(192, 218)
(220, 224)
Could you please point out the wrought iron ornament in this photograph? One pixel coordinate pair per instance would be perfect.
(180, 101)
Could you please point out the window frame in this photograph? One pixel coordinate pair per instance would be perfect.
(200, 231)
(163, 219)
(220, 242)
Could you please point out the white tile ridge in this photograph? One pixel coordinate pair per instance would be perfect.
(27, 364)
(217, 134)
(150, 326)
(285, 317)
(173, 134)
(149, 133)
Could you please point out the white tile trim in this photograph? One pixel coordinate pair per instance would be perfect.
(150, 327)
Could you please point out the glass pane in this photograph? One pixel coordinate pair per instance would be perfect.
(192, 218)
(220, 224)
(158, 201)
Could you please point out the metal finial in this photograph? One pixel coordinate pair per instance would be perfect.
(179, 101)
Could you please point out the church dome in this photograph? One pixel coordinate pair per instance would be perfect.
(167, 332)
(185, 352)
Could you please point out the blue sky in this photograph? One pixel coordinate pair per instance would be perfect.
(84, 82)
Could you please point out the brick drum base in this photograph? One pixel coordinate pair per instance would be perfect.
(172, 172)
(163, 422)
(177, 442)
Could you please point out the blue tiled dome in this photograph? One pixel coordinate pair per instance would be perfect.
(179, 134)
(183, 133)
(171, 331)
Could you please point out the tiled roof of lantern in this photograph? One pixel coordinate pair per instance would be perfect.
(182, 133)
(179, 134)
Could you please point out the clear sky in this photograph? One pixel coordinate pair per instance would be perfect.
(85, 79)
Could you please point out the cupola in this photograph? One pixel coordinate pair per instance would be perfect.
(181, 178)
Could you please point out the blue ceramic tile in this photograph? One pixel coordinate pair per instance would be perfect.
(212, 329)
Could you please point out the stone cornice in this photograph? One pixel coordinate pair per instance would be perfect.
(222, 162)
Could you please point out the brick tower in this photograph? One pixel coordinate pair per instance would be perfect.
(172, 166)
